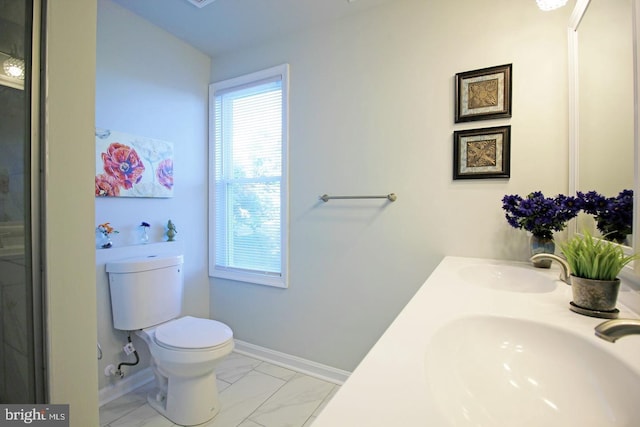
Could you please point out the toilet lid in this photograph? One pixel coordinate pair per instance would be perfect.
(193, 333)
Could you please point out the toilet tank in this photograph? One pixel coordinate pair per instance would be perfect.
(145, 291)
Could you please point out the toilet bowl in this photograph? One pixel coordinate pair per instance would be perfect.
(184, 355)
(146, 297)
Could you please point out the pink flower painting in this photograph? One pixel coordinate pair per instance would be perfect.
(132, 166)
(122, 162)
(165, 173)
(107, 185)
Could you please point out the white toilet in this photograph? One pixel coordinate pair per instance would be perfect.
(146, 297)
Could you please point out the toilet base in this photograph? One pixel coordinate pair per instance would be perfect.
(187, 401)
(186, 392)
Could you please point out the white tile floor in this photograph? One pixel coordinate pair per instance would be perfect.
(253, 393)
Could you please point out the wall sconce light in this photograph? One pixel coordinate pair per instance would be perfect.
(14, 67)
(550, 4)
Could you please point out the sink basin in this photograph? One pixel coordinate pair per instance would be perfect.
(508, 278)
(490, 371)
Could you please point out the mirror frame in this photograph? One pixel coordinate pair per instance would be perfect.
(575, 19)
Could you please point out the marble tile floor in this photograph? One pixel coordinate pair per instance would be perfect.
(253, 393)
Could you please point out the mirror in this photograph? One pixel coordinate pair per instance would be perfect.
(12, 44)
(602, 114)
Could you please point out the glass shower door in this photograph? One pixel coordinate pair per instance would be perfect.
(21, 349)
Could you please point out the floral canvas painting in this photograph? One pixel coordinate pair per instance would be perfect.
(132, 166)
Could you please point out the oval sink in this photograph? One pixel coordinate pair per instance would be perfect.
(486, 371)
(508, 278)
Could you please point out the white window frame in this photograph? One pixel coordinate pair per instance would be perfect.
(251, 276)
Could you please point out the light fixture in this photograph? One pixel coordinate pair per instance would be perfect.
(200, 3)
(14, 68)
(550, 4)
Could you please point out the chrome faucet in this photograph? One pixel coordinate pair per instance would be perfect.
(611, 330)
(564, 265)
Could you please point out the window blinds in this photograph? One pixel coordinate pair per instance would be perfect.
(248, 178)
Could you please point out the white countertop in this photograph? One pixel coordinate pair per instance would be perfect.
(389, 388)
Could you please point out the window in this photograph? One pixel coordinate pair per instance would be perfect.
(248, 178)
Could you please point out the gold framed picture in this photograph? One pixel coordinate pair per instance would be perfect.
(483, 94)
(482, 153)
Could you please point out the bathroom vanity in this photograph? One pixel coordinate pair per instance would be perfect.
(493, 343)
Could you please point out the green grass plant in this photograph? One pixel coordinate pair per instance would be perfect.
(594, 258)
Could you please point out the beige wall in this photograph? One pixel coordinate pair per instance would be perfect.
(372, 112)
(70, 279)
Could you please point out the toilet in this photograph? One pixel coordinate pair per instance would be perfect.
(146, 297)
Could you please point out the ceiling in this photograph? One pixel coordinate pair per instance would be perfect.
(226, 25)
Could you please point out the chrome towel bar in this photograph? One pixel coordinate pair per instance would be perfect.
(391, 197)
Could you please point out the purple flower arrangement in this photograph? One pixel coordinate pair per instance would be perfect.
(540, 215)
(613, 215)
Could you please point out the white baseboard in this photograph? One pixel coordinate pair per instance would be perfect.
(298, 364)
(124, 386)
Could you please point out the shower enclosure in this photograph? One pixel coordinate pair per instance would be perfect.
(21, 310)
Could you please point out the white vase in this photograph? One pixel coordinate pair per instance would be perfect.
(144, 236)
(103, 241)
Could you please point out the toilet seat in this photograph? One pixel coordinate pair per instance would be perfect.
(192, 333)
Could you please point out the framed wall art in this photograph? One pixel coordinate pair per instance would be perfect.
(483, 94)
(132, 166)
(482, 153)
